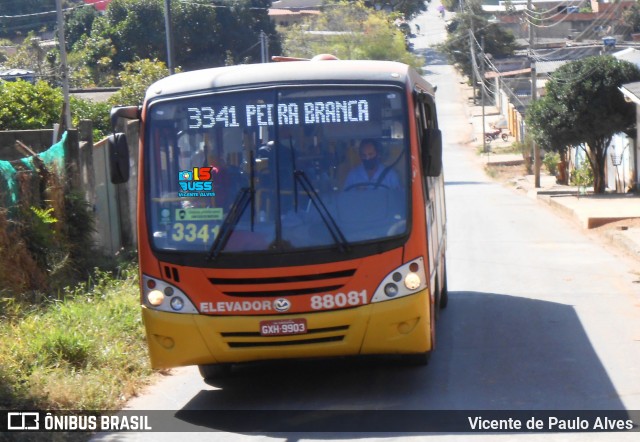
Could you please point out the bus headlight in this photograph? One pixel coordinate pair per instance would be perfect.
(155, 297)
(160, 295)
(177, 304)
(412, 281)
(391, 290)
(406, 280)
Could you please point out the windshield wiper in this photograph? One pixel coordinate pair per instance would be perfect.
(326, 216)
(235, 212)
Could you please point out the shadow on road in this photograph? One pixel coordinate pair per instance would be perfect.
(468, 183)
(495, 352)
(431, 56)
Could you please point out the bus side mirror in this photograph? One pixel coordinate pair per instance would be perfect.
(432, 152)
(118, 151)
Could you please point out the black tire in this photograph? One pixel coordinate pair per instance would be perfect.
(487, 140)
(214, 371)
(505, 137)
(417, 359)
(437, 307)
(444, 291)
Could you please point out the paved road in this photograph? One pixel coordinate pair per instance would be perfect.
(540, 317)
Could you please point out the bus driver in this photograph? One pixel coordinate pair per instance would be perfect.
(371, 173)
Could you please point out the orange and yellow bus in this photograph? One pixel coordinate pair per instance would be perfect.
(288, 210)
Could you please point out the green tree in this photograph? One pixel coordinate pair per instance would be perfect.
(408, 8)
(28, 106)
(584, 107)
(203, 33)
(240, 26)
(450, 5)
(19, 21)
(349, 30)
(91, 61)
(24, 16)
(498, 42)
(78, 22)
(36, 106)
(136, 29)
(136, 78)
(631, 17)
(96, 112)
(31, 55)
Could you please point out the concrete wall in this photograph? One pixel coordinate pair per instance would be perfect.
(115, 204)
(38, 140)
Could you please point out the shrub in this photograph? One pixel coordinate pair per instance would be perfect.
(28, 106)
(97, 113)
(582, 175)
(551, 161)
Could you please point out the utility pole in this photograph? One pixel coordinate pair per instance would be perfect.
(264, 47)
(534, 95)
(537, 163)
(64, 67)
(473, 64)
(485, 148)
(484, 138)
(169, 32)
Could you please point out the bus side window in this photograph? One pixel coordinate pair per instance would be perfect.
(429, 136)
(422, 121)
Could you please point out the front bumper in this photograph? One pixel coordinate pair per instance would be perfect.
(399, 326)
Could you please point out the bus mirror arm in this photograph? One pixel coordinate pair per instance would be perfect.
(432, 152)
(127, 112)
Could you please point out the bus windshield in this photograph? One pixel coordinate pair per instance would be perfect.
(278, 169)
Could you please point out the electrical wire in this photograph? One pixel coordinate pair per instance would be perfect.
(610, 14)
(218, 6)
(43, 13)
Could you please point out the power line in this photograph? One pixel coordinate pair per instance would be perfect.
(43, 13)
(218, 6)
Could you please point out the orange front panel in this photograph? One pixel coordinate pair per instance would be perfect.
(236, 292)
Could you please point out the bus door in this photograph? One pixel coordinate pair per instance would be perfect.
(425, 120)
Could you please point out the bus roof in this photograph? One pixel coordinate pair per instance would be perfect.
(294, 72)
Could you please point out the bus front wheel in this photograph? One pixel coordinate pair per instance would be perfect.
(214, 371)
(416, 359)
(444, 291)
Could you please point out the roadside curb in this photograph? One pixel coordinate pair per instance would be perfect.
(623, 237)
(551, 200)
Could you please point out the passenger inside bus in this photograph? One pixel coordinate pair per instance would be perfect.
(276, 174)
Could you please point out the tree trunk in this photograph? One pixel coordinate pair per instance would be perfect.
(597, 154)
(599, 183)
(563, 176)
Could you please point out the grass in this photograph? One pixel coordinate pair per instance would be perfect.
(83, 351)
(498, 147)
(505, 173)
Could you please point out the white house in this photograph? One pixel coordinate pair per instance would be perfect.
(623, 161)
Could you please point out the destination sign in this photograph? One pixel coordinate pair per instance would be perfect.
(255, 115)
